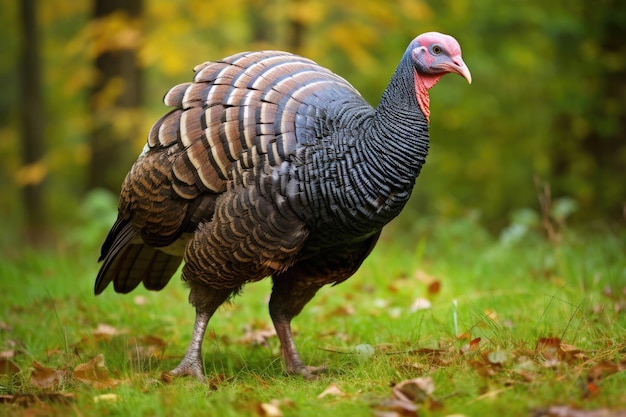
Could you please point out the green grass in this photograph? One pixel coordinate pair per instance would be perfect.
(507, 293)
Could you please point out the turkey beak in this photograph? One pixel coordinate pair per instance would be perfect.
(458, 66)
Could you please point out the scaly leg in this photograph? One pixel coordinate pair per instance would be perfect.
(206, 301)
(297, 285)
(287, 300)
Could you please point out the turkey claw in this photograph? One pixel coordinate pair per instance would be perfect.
(185, 369)
(310, 372)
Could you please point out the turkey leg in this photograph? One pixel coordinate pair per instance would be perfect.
(206, 301)
(288, 298)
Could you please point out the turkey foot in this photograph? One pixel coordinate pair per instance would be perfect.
(290, 354)
(191, 365)
(310, 372)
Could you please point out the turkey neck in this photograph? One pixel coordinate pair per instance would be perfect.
(399, 137)
(386, 148)
(397, 142)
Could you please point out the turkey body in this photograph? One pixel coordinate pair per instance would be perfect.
(267, 165)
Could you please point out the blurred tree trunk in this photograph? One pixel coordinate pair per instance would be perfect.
(297, 30)
(605, 141)
(586, 168)
(32, 117)
(116, 95)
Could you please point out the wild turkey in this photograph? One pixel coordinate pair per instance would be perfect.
(271, 165)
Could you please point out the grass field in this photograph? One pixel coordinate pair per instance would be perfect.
(442, 319)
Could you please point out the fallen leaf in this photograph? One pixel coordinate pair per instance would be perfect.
(424, 276)
(146, 347)
(217, 380)
(489, 395)
(106, 398)
(475, 344)
(420, 304)
(415, 390)
(272, 409)
(605, 368)
(396, 408)
(257, 336)
(568, 411)
(140, 300)
(44, 377)
(498, 356)
(482, 366)
(95, 373)
(591, 389)
(107, 330)
(332, 390)
(7, 367)
(548, 347)
(7, 354)
(28, 400)
(568, 353)
(343, 310)
(465, 336)
(434, 288)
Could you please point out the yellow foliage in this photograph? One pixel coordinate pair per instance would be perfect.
(109, 94)
(31, 174)
(308, 12)
(115, 32)
(416, 10)
(354, 39)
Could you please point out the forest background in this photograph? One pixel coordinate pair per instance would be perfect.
(544, 119)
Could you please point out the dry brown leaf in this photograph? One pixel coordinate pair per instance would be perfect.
(29, 400)
(605, 368)
(44, 377)
(140, 300)
(406, 398)
(343, 310)
(110, 397)
(257, 336)
(474, 344)
(7, 354)
(482, 366)
(465, 336)
(396, 408)
(332, 390)
(105, 330)
(95, 373)
(269, 410)
(273, 408)
(415, 390)
(8, 367)
(424, 276)
(491, 314)
(498, 357)
(434, 288)
(217, 380)
(568, 411)
(436, 357)
(548, 347)
(146, 347)
(420, 304)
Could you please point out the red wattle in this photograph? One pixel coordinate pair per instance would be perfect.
(423, 83)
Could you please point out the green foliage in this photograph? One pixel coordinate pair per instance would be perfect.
(546, 99)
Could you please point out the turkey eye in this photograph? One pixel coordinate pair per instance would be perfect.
(437, 49)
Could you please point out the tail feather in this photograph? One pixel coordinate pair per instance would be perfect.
(127, 263)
